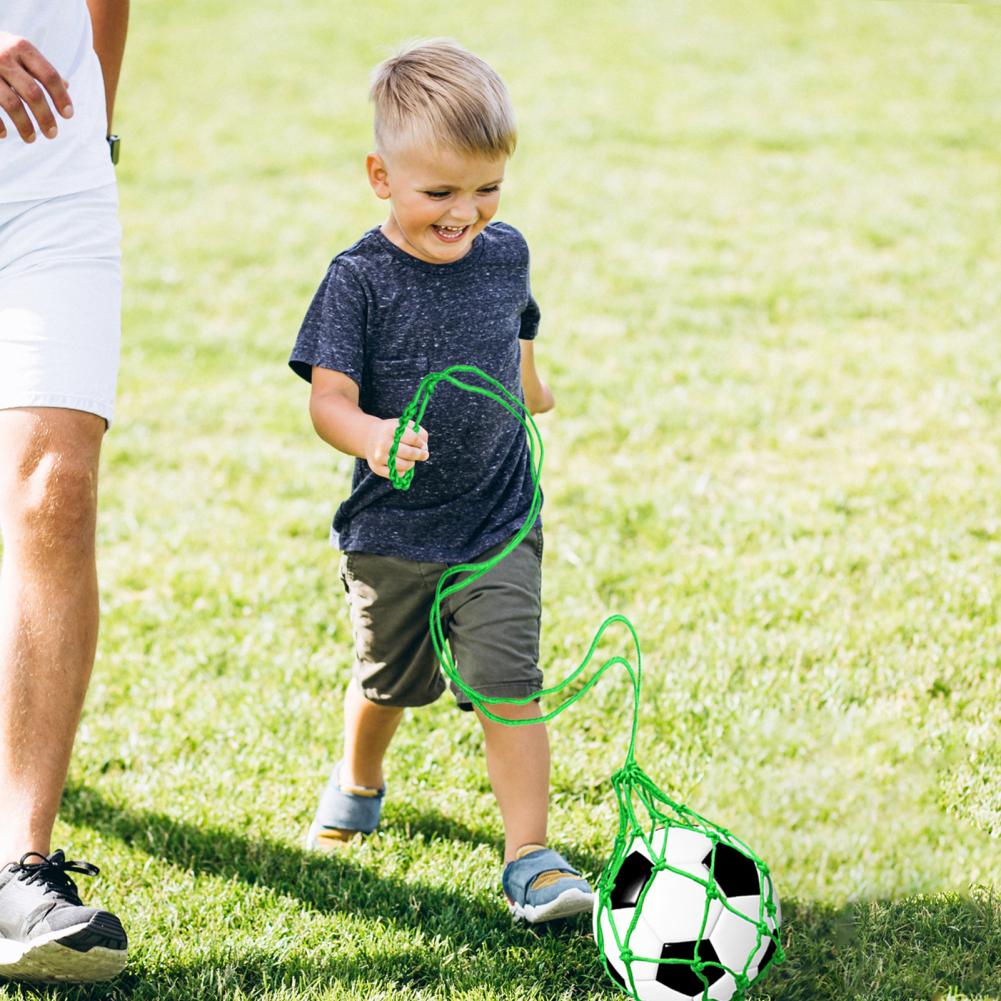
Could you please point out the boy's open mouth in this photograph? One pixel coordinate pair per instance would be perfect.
(449, 234)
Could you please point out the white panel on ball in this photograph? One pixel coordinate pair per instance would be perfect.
(734, 940)
(723, 989)
(675, 904)
(750, 906)
(651, 990)
(684, 845)
(642, 943)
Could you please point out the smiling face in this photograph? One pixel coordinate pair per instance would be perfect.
(439, 201)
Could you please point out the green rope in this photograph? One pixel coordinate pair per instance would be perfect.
(630, 783)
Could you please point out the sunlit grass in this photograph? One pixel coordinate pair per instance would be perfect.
(765, 244)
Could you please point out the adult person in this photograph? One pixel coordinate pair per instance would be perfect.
(60, 293)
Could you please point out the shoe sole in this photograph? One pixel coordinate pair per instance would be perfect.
(325, 846)
(566, 905)
(93, 951)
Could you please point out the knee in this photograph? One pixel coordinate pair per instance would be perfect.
(510, 711)
(51, 504)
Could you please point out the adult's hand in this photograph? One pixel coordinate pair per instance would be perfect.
(25, 78)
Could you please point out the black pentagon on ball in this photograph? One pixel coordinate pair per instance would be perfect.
(736, 874)
(680, 976)
(630, 880)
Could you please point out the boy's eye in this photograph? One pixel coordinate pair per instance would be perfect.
(444, 194)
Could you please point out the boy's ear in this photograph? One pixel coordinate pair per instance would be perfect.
(378, 176)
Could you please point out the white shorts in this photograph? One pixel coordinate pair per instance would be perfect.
(60, 302)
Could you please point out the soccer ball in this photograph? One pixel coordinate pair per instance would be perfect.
(686, 916)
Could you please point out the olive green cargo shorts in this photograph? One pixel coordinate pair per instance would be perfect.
(492, 626)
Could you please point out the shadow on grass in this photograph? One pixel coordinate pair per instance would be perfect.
(254, 973)
(477, 933)
(892, 950)
(322, 882)
(438, 827)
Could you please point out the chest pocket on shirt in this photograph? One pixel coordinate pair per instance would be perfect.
(395, 380)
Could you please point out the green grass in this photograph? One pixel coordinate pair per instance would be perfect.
(765, 243)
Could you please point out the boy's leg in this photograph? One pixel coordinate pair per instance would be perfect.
(518, 767)
(389, 600)
(368, 730)
(538, 882)
(495, 641)
(494, 636)
(351, 803)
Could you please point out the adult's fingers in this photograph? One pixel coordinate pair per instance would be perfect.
(32, 96)
(49, 77)
(11, 102)
(25, 76)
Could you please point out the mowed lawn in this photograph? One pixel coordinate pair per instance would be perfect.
(766, 245)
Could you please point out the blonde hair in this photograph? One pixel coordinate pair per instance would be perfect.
(437, 91)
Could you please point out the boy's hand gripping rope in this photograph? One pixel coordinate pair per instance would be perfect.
(630, 783)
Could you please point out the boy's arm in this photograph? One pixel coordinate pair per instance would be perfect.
(538, 396)
(339, 421)
(110, 19)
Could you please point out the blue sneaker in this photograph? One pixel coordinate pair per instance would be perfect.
(541, 885)
(344, 813)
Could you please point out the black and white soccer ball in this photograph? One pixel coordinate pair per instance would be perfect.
(680, 920)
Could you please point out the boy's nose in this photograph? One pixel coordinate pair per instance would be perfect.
(465, 212)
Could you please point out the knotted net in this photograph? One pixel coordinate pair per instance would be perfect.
(648, 818)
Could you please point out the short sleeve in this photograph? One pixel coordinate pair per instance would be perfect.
(531, 314)
(530, 317)
(332, 334)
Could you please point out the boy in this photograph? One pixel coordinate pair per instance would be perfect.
(437, 284)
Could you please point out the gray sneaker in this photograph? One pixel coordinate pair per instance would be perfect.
(46, 934)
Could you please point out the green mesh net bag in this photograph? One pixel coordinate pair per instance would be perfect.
(684, 910)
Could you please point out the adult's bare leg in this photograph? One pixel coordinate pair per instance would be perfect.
(48, 610)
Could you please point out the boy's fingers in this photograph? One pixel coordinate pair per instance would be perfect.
(413, 448)
(416, 452)
(411, 440)
(414, 434)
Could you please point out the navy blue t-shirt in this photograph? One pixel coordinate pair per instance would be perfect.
(385, 319)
